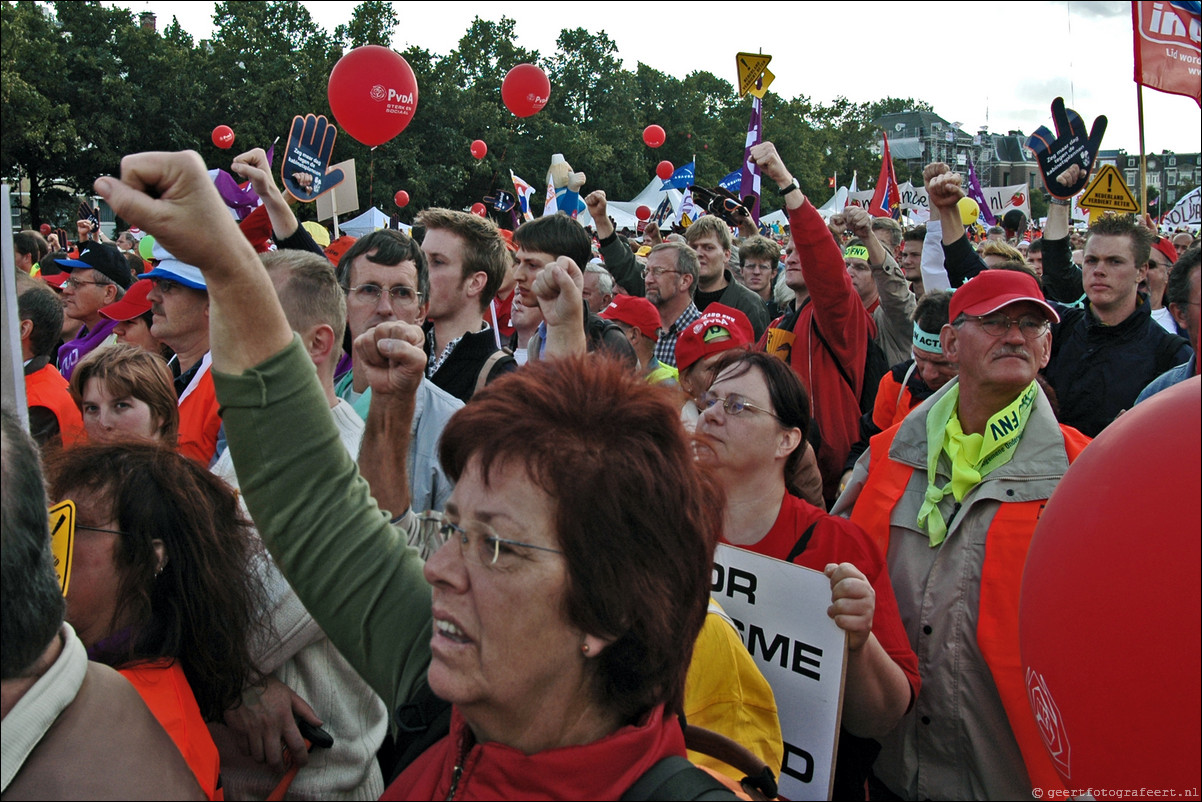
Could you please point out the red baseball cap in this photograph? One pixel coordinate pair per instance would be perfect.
(634, 311)
(991, 290)
(1165, 246)
(133, 304)
(719, 328)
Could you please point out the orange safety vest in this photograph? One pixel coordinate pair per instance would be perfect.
(199, 422)
(1006, 546)
(47, 388)
(165, 690)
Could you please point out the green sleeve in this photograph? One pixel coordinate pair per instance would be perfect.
(350, 567)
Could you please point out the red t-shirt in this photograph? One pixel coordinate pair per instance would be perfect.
(838, 540)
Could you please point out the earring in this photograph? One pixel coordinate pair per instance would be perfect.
(584, 648)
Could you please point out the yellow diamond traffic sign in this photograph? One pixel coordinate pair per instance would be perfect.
(1109, 191)
(751, 67)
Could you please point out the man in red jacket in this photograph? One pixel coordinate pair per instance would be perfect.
(824, 337)
(53, 415)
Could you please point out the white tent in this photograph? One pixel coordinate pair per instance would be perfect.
(780, 216)
(371, 220)
(623, 211)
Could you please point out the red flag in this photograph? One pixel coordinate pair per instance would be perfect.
(886, 199)
(830, 182)
(1166, 58)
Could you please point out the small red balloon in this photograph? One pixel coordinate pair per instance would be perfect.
(479, 210)
(373, 94)
(401, 197)
(45, 229)
(223, 136)
(654, 136)
(664, 170)
(525, 90)
(479, 149)
(643, 212)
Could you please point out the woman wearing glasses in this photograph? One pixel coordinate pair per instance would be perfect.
(753, 423)
(160, 587)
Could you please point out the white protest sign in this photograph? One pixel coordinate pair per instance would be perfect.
(1188, 211)
(780, 611)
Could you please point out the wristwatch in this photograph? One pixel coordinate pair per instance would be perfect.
(793, 186)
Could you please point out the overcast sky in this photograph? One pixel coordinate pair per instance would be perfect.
(976, 63)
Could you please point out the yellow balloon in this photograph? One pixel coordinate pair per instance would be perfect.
(969, 211)
(319, 233)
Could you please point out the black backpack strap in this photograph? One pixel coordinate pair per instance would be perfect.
(801, 543)
(675, 777)
(834, 356)
(421, 722)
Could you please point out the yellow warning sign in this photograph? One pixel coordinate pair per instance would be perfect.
(1109, 191)
(751, 67)
(760, 90)
(62, 540)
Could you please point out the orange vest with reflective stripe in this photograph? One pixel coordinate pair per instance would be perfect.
(1006, 545)
(47, 388)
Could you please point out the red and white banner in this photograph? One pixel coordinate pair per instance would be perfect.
(1168, 47)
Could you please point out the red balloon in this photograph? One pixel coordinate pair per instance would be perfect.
(643, 212)
(401, 197)
(223, 136)
(45, 229)
(373, 94)
(479, 149)
(1111, 671)
(479, 209)
(664, 170)
(525, 90)
(654, 136)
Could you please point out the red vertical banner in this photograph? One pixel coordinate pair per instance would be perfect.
(1168, 56)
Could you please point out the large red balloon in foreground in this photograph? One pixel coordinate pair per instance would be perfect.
(1109, 617)
(373, 94)
(525, 90)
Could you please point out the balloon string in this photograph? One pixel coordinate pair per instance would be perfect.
(371, 180)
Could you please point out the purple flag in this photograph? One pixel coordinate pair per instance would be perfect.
(973, 190)
(750, 179)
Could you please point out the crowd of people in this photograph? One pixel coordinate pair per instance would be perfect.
(434, 516)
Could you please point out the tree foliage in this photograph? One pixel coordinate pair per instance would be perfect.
(82, 84)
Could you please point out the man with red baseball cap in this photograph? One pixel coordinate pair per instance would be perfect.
(639, 321)
(951, 495)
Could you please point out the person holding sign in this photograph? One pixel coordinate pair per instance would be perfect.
(754, 421)
(951, 495)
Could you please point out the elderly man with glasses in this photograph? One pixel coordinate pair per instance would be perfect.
(670, 279)
(952, 495)
(99, 277)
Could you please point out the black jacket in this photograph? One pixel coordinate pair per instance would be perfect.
(1098, 371)
(459, 373)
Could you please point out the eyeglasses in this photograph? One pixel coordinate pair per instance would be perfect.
(997, 325)
(400, 294)
(75, 282)
(733, 404)
(98, 529)
(480, 545)
(657, 271)
(165, 286)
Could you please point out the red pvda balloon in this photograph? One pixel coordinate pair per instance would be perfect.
(223, 136)
(478, 209)
(664, 170)
(643, 213)
(479, 149)
(654, 136)
(401, 198)
(525, 90)
(373, 94)
(45, 229)
(1109, 615)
